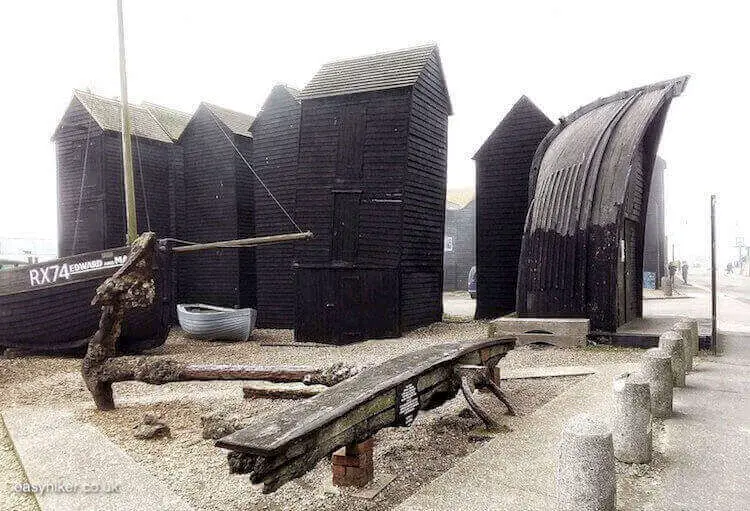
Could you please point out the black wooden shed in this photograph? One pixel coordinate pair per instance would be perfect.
(371, 185)
(90, 192)
(218, 205)
(582, 252)
(275, 147)
(460, 243)
(655, 248)
(503, 166)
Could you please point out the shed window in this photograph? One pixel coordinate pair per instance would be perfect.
(351, 142)
(345, 226)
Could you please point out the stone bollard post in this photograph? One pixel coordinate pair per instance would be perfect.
(631, 419)
(657, 371)
(586, 466)
(694, 334)
(675, 344)
(685, 329)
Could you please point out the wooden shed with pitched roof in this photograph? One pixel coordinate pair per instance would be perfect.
(371, 185)
(582, 251)
(275, 146)
(503, 166)
(90, 190)
(460, 239)
(218, 205)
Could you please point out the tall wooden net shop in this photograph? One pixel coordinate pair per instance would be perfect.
(358, 157)
(371, 186)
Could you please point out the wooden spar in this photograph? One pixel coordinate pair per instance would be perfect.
(127, 152)
(247, 242)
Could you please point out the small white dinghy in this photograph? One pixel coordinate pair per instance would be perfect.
(216, 323)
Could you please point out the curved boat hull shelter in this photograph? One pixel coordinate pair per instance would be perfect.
(582, 250)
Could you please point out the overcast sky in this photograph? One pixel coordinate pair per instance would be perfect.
(231, 52)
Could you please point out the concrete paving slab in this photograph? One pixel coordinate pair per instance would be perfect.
(516, 470)
(76, 467)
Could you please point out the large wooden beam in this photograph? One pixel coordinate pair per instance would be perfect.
(277, 449)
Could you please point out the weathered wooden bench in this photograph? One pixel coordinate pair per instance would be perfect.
(277, 449)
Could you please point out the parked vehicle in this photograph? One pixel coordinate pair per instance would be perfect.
(472, 286)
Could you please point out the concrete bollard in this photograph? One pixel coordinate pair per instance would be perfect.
(695, 334)
(657, 371)
(586, 466)
(631, 419)
(685, 330)
(675, 344)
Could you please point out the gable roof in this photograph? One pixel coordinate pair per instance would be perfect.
(237, 122)
(381, 71)
(522, 111)
(172, 121)
(106, 113)
(292, 92)
(459, 198)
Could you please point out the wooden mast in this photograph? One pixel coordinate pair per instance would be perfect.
(127, 152)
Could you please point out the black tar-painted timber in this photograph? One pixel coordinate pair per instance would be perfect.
(218, 206)
(503, 166)
(275, 148)
(582, 250)
(94, 197)
(371, 185)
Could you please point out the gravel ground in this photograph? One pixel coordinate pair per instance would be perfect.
(196, 470)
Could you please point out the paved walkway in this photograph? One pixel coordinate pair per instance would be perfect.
(702, 454)
(516, 470)
(76, 467)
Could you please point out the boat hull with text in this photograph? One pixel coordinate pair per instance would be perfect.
(47, 306)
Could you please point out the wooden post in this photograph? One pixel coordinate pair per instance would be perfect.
(127, 151)
(714, 331)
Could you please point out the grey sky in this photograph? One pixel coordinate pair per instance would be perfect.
(230, 52)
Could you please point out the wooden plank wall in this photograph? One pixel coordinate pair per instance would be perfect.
(154, 164)
(211, 214)
(502, 181)
(424, 200)
(460, 224)
(275, 147)
(654, 253)
(380, 181)
(102, 216)
(70, 143)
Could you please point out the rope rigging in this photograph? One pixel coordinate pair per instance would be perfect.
(83, 181)
(143, 185)
(236, 149)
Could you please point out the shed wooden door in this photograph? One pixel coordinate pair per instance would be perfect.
(316, 312)
(343, 305)
(345, 227)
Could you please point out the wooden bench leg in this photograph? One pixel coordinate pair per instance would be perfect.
(353, 465)
(481, 376)
(467, 388)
